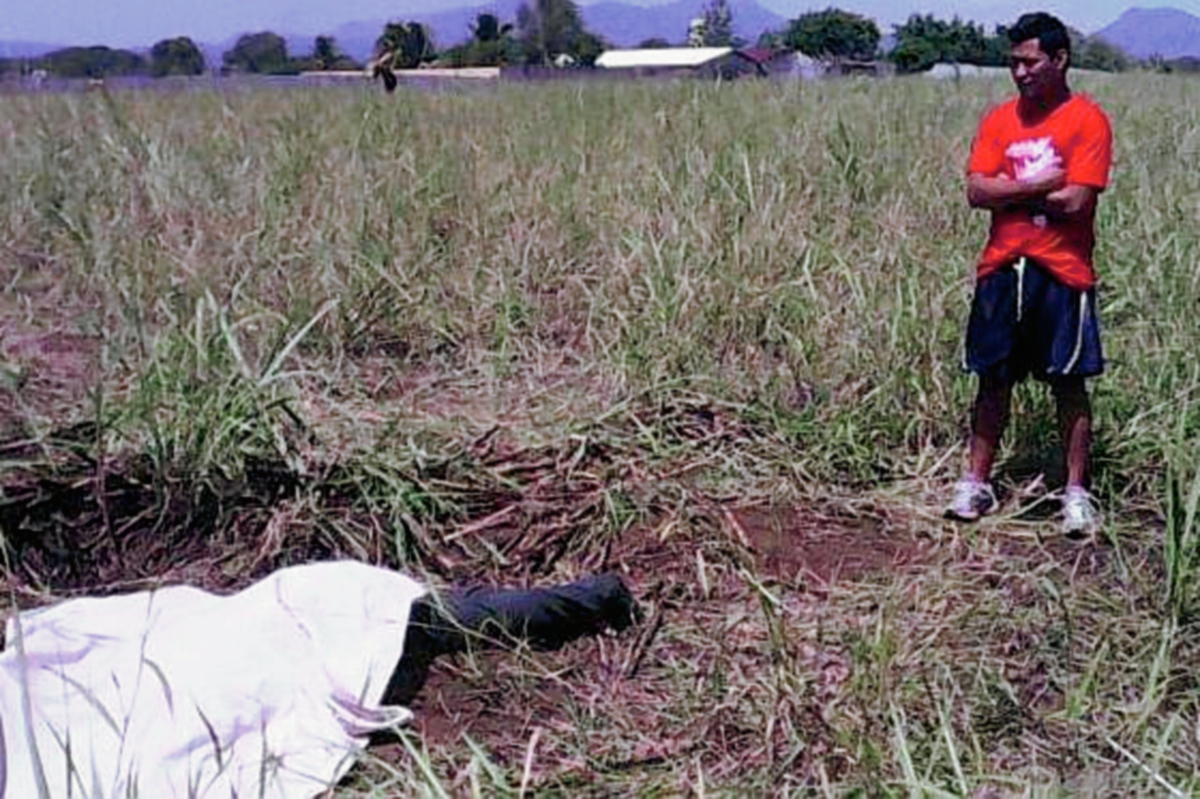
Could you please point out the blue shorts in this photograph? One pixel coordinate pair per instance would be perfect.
(1024, 322)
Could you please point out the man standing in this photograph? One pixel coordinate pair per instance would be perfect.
(1037, 164)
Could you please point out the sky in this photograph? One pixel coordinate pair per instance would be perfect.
(140, 23)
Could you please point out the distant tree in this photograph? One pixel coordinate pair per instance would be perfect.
(923, 41)
(92, 62)
(487, 28)
(483, 54)
(1096, 53)
(491, 45)
(718, 24)
(697, 32)
(587, 48)
(772, 40)
(654, 43)
(263, 53)
(995, 49)
(178, 56)
(914, 54)
(325, 53)
(548, 29)
(409, 44)
(835, 34)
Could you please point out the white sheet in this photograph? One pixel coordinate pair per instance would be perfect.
(178, 693)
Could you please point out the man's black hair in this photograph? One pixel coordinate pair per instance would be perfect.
(1049, 30)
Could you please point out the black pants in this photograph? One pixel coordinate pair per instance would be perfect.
(482, 618)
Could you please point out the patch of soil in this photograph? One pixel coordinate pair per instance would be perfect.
(47, 366)
(48, 374)
(492, 706)
(808, 545)
(502, 708)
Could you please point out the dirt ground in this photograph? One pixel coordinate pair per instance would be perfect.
(802, 549)
(48, 367)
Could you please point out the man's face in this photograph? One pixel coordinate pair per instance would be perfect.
(1037, 74)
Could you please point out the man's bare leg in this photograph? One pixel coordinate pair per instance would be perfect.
(973, 494)
(1075, 425)
(1080, 514)
(989, 417)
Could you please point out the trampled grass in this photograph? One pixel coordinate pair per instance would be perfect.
(678, 329)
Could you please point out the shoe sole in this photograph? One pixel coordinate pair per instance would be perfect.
(973, 516)
(960, 517)
(1078, 532)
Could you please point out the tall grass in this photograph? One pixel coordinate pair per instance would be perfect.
(801, 249)
(757, 290)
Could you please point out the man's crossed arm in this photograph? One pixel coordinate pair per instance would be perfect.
(1046, 193)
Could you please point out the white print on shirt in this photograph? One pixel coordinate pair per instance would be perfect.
(1032, 157)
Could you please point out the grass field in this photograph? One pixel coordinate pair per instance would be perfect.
(705, 335)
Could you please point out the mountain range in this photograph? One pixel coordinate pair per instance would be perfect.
(620, 24)
(1141, 32)
(1146, 32)
(23, 49)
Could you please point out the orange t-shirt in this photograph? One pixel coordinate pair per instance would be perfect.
(1077, 137)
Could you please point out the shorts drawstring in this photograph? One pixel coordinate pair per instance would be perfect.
(1019, 268)
(1083, 314)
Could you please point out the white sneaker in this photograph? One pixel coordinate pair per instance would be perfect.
(1081, 516)
(972, 498)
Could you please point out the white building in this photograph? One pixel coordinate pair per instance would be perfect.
(723, 61)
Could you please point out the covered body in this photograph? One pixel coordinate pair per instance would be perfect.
(270, 692)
